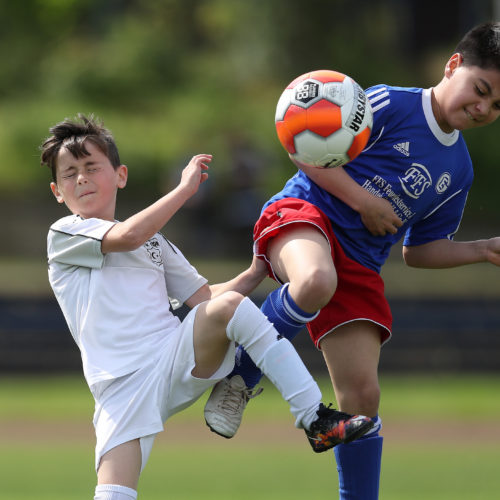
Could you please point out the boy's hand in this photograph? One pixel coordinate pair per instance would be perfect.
(195, 173)
(379, 217)
(376, 213)
(493, 251)
(258, 268)
(246, 282)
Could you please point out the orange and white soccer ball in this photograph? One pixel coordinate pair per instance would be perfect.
(323, 119)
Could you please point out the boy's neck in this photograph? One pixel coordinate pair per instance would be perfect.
(436, 110)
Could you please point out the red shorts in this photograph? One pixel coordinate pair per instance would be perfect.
(360, 291)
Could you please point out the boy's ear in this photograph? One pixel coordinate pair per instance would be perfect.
(453, 63)
(122, 171)
(56, 193)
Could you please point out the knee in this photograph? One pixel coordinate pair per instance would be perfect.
(369, 398)
(315, 290)
(225, 306)
(361, 398)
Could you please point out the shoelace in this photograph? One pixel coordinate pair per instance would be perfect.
(325, 411)
(234, 398)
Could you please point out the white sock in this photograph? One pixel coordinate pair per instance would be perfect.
(277, 359)
(114, 492)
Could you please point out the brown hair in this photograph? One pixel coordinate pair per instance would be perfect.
(72, 135)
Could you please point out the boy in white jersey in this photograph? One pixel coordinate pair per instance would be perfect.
(113, 281)
(325, 236)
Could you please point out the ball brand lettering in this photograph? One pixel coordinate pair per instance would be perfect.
(335, 162)
(359, 115)
(307, 91)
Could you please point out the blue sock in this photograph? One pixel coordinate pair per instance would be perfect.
(287, 317)
(358, 465)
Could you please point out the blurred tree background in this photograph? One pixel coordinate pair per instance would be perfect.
(172, 78)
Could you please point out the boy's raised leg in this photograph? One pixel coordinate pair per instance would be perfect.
(279, 361)
(224, 409)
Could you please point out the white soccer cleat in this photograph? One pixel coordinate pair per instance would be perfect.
(226, 404)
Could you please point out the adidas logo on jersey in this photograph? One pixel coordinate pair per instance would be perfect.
(403, 148)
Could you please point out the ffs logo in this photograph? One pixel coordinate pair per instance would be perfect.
(416, 180)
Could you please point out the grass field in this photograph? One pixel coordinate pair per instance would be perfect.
(441, 442)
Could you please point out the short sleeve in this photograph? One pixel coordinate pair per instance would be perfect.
(442, 223)
(75, 241)
(182, 279)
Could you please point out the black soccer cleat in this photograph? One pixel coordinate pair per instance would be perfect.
(335, 427)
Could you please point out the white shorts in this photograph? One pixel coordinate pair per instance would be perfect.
(136, 405)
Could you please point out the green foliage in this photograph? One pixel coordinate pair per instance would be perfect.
(175, 77)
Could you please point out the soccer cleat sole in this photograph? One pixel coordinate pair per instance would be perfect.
(217, 432)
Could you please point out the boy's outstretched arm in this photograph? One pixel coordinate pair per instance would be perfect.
(444, 253)
(139, 228)
(244, 283)
(376, 213)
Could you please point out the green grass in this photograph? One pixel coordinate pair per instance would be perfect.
(45, 398)
(67, 397)
(47, 472)
(200, 472)
(412, 470)
(408, 473)
(441, 397)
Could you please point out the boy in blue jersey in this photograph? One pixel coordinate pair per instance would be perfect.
(326, 235)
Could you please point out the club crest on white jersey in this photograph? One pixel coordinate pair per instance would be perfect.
(154, 250)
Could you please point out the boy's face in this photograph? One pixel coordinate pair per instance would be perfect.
(88, 185)
(471, 98)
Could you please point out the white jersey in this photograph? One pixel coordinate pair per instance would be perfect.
(116, 305)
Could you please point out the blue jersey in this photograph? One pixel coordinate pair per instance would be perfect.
(424, 173)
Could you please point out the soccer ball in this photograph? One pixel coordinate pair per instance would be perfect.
(323, 119)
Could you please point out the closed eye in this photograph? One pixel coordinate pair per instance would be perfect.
(479, 91)
(484, 93)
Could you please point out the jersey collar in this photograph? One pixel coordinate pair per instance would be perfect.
(442, 137)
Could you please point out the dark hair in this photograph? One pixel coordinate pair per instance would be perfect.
(481, 46)
(72, 135)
